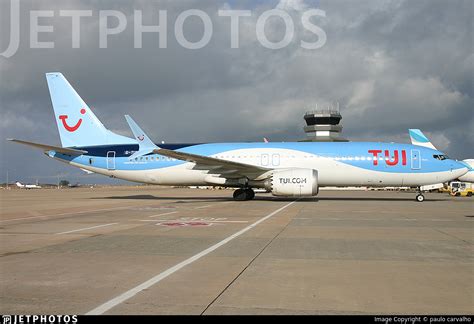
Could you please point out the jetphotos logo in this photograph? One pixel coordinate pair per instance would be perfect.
(38, 319)
(292, 16)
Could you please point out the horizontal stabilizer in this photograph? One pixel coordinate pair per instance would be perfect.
(46, 148)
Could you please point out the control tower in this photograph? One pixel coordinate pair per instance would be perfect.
(323, 126)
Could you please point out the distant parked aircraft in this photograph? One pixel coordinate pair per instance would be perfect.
(469, 176)
(27, 186)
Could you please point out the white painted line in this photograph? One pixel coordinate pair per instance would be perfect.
(353, 219)
(147, 284)
(87, 228)
(63, 214)
(188, 220)
(221, 221)
(175, 212)
(392, 219)
(203, 207)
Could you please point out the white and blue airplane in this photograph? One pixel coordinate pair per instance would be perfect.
(296, 169)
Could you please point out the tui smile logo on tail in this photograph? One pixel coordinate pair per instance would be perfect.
(141, 138)
(72, 128)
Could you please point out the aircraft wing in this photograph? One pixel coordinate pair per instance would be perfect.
(221, 168)
(224, 168)
(44, 147)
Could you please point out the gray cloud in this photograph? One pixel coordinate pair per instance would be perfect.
(392, 65)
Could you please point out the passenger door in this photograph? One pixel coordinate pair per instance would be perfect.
(275, 159)
(415, 160)
(265, 159)
(111, 160)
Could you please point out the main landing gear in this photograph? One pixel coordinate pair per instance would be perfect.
(244, 194)
(419, 196)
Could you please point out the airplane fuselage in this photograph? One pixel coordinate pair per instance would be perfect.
(338, 164)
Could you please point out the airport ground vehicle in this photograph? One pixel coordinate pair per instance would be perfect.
(461, 189)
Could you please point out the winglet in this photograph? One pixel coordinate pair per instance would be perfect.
(418, 138)
(143, 140)
(146, 145)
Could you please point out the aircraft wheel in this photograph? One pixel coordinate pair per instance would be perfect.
(244, 194)
(240, 195)
(420, 198)
(250, 194)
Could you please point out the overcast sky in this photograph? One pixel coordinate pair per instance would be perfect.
(392, 65)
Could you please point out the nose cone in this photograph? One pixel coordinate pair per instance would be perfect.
(468, 177)
(459, 168)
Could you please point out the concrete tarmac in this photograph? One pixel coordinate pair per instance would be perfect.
(152, 250)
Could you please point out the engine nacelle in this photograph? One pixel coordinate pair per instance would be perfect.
(294, 182)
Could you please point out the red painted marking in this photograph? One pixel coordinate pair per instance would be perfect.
(395, 158)
(71, 128)
(404, 157)
(388, 161)
(141, 138)
(375, 153)
(174, 224)
(198, 224)
(182, 224)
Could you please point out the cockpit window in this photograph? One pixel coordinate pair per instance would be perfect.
(440, 157)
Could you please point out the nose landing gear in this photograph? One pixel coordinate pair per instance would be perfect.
(244, 194)
(419, 196)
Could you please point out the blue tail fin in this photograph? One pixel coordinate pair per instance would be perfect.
(418, 138)
(77, 124)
